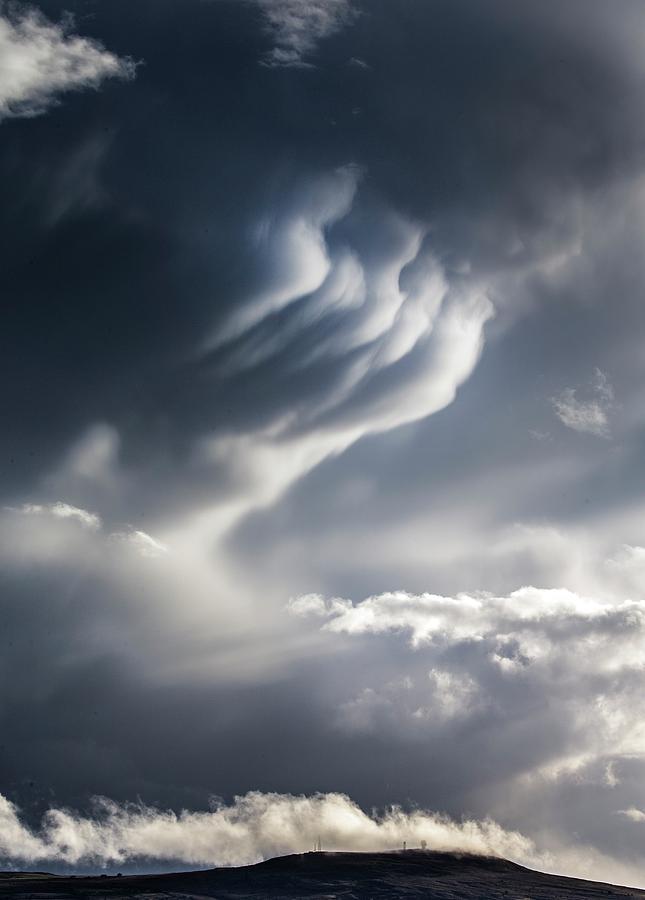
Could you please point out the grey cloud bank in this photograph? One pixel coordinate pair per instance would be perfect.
(284, 316)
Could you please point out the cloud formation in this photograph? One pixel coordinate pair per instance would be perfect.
(590, 416)
(60, 510)
(537, 639)
(551, 613)
(260, 348)
(258, 826)
(255, 827)
(40, 60)
(144, 544)
(135, 539)
(636, 815)
(489, 671)
(297, 26)
(371, 331)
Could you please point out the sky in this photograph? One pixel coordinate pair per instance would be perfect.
(321, 496)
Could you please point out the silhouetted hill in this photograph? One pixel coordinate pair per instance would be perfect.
(328, 876)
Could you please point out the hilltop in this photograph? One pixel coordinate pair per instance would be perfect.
(328, 876)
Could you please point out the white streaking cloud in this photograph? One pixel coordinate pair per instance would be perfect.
(39, 60)
(400, 341)
(60, 510)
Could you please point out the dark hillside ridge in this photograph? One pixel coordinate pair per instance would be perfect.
(328, 876)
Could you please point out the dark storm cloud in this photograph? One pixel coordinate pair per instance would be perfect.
(477, 137)
(222, 275)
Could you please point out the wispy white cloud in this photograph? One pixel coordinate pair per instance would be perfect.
(40, 60)
(636, 815)
(315, 605)
(297, 26)
(60, 510)
(141, 542)
(590, 415)
(137, 540)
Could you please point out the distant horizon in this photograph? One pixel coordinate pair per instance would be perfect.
(414, 852)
